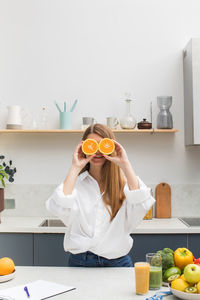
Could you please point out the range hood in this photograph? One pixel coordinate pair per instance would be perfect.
(191, 72)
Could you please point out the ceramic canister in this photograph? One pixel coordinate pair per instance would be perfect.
(14, 120)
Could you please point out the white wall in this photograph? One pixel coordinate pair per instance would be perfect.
(95, 51)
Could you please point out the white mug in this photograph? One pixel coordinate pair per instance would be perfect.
(16, 115)
(112, 122)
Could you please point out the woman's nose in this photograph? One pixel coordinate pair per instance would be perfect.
(98, 152)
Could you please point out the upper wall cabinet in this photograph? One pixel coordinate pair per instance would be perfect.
(191, 70)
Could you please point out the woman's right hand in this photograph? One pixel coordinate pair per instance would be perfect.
(78, 159)
(78, 163)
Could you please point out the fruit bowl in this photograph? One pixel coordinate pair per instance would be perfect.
(8, 277)
(183, 295)
(165, 284)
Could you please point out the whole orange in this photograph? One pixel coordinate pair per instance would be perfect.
(7, 266)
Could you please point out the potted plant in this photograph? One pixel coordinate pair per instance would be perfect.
(7, 172)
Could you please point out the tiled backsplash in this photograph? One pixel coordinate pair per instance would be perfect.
(30, 199)
(185, 200)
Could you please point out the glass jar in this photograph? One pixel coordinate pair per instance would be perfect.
(128, 121)
(43, 119)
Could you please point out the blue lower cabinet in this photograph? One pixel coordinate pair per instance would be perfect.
(49, 251)
(46, 249)
(194, 244)
(18, 246)
(147, 243)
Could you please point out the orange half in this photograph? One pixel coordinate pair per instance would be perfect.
(90, 147)
(106, 146)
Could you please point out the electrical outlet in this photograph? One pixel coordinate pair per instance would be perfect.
(9, 203)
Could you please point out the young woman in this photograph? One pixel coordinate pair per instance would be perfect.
(101, 202)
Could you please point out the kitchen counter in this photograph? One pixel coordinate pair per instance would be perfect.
(154, 226)
(90, 283)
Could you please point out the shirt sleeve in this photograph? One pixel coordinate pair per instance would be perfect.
(61, 205)
(138, 202)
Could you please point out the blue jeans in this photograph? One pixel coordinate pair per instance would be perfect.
(89, 259)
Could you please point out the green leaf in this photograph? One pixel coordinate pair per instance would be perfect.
(4, 173)
(2, 181)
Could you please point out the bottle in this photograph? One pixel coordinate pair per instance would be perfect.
(43, 119)
(128, 121)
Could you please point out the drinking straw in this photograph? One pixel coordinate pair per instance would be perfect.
(74, 105)
(65, 106)
(57, 106)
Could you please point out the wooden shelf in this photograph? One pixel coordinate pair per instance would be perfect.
(81, 131)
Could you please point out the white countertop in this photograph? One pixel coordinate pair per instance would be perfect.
(90, 283)
(154, 226)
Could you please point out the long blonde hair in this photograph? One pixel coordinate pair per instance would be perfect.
(111, 175)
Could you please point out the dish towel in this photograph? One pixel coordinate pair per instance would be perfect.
(159, 295)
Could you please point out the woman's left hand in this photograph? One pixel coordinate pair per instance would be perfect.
(121, 158)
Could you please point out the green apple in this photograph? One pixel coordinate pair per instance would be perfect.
(192, 273)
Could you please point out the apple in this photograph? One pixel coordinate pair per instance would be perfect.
(192, 273)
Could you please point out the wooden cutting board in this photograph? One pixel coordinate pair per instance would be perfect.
(163, 200)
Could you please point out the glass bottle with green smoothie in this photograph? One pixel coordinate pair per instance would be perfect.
(155, 276)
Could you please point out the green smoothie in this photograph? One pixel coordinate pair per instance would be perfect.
(155, 280)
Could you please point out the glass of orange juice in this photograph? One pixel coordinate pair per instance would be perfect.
(142, 270)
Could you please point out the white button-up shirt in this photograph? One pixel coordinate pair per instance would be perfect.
(88, 221)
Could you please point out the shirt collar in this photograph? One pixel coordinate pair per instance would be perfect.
(83, 175)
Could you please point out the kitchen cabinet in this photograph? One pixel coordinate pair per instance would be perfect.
(18, 246)
(194, 244)
(49, 251)
(148, 243)
(46, 249)
(191, 71)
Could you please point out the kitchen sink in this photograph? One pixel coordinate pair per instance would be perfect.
(52, 223)
(191, 222)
